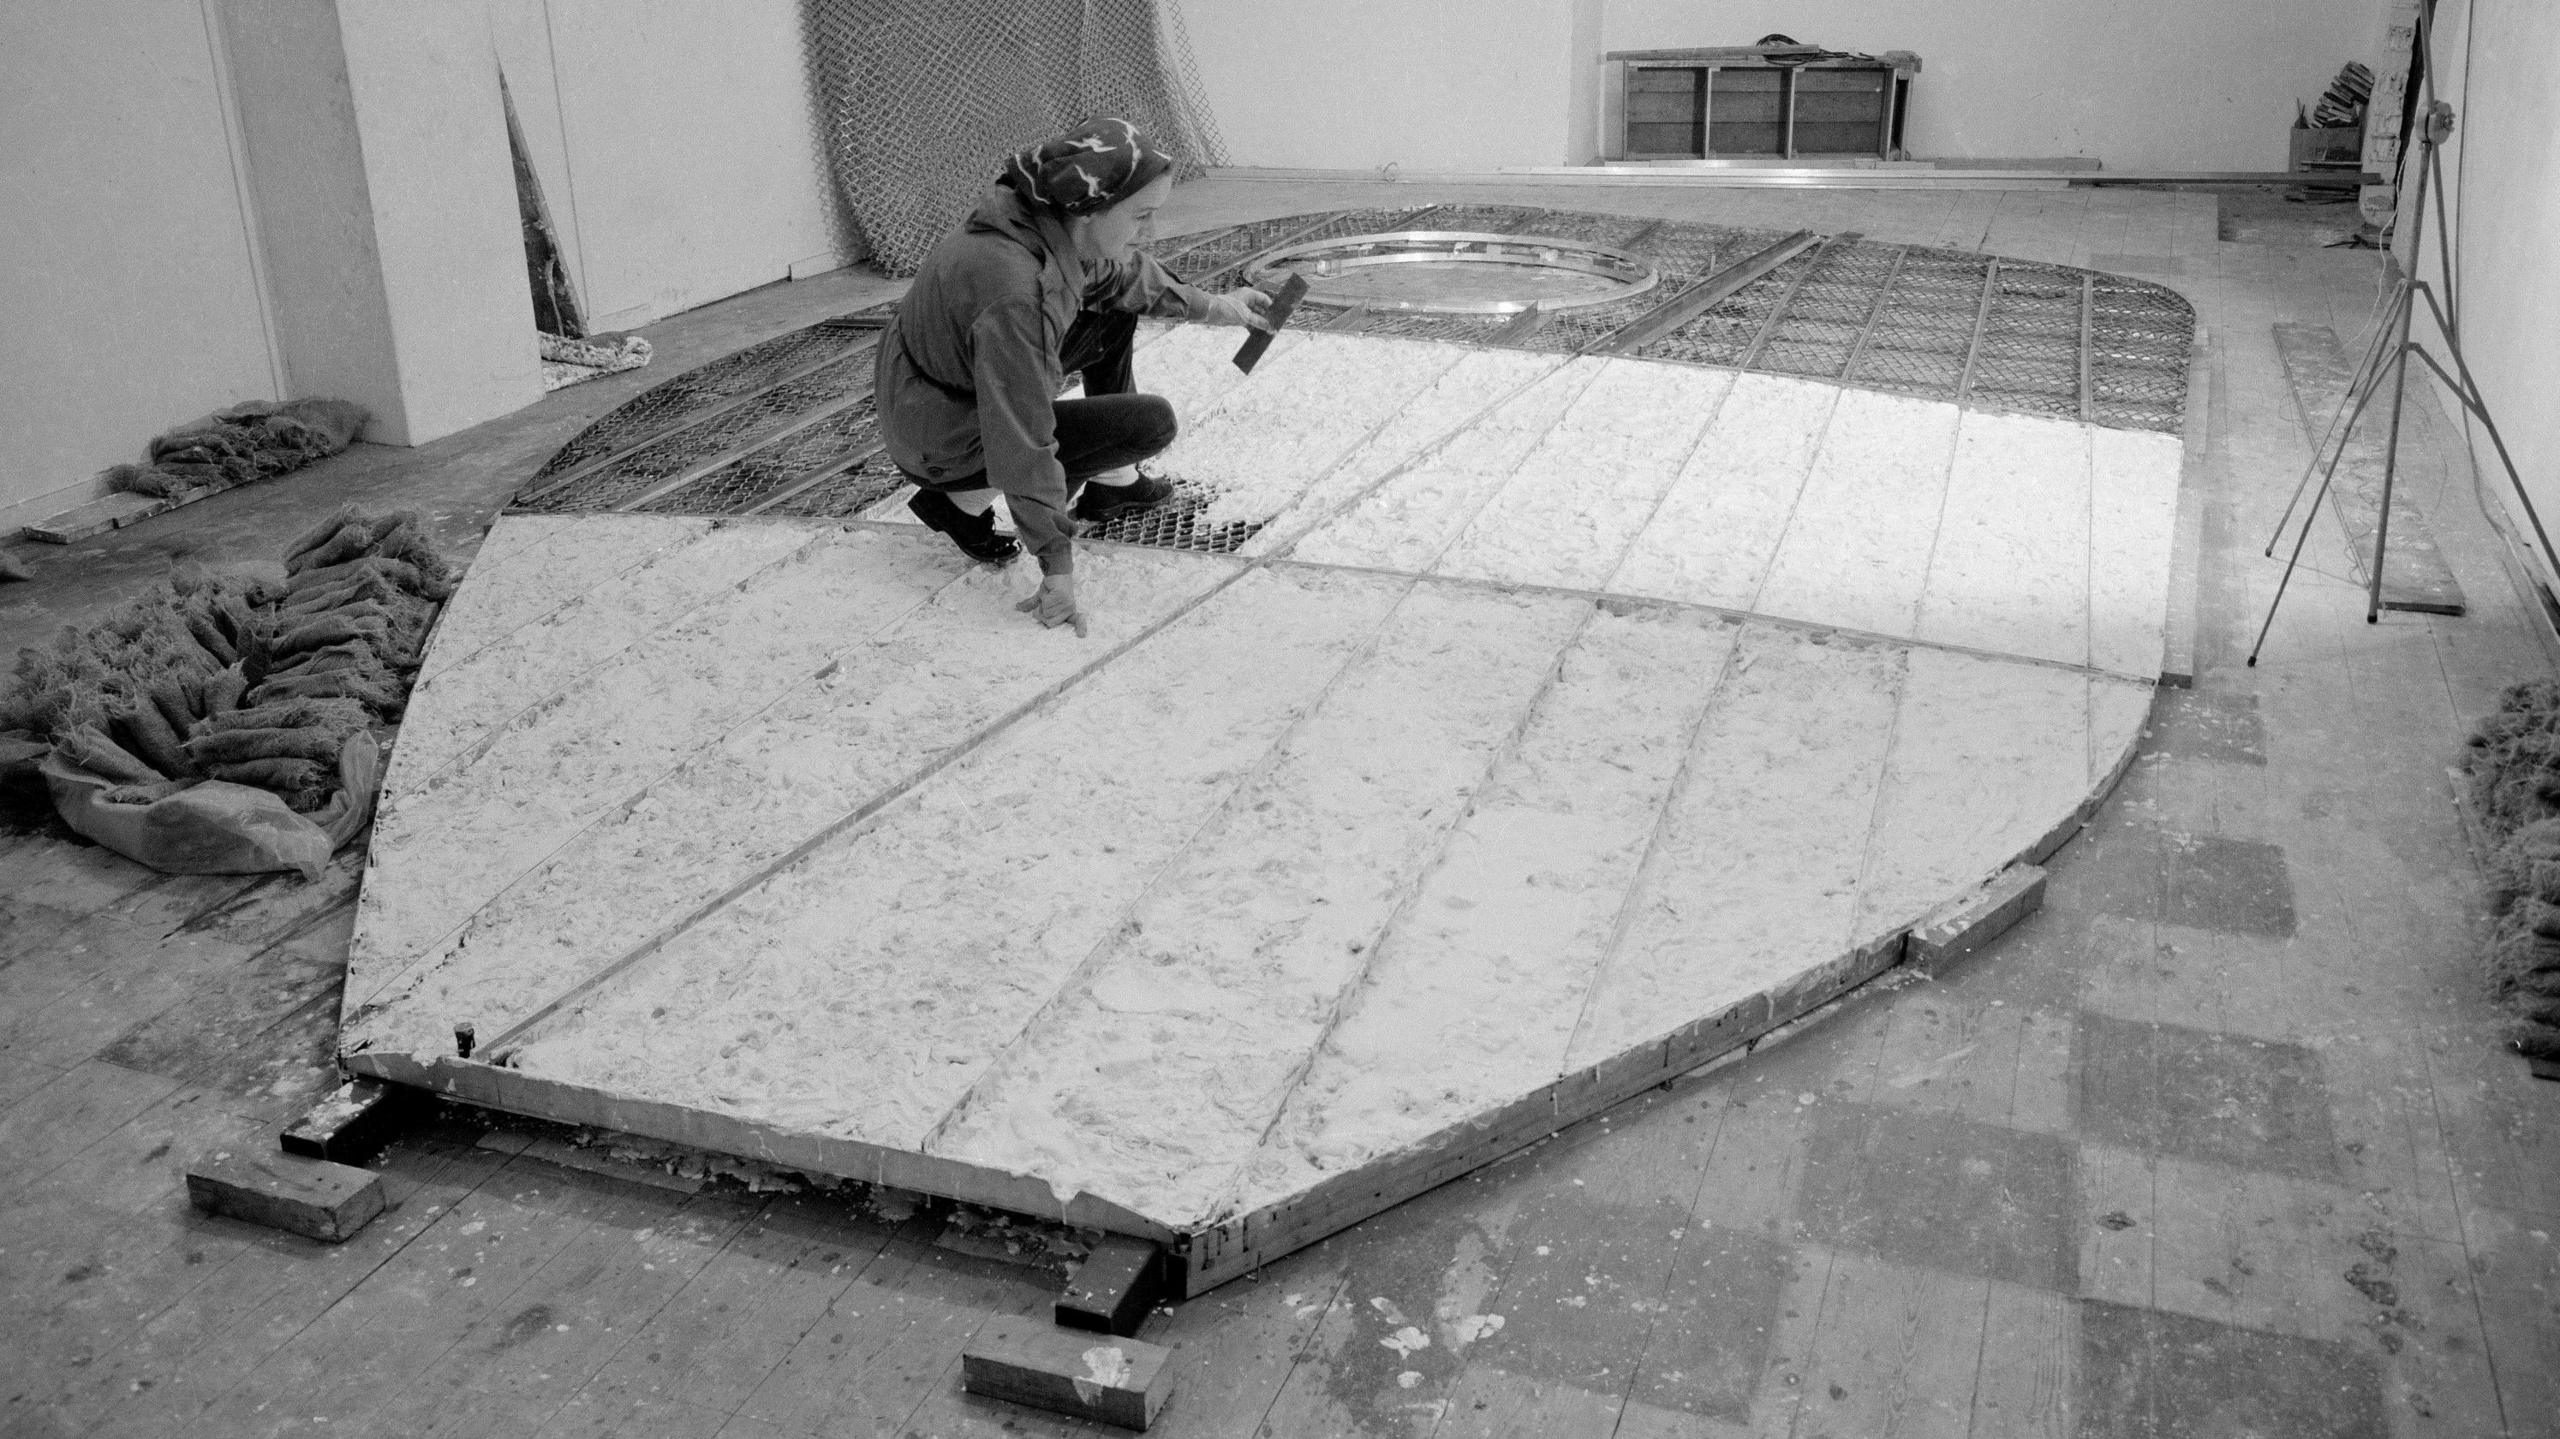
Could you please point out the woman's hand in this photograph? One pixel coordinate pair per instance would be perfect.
(1248, 307)
(1054, 604)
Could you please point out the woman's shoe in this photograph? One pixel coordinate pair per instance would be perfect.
(1108, 502)
(974, 534)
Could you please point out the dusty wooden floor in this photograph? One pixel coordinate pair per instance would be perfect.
(2218, 1142)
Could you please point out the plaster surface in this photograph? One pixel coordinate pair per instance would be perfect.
(1558, 704)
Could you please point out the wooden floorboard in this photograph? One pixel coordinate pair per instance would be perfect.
(132, 1017)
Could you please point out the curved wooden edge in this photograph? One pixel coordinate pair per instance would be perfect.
(495, 1087)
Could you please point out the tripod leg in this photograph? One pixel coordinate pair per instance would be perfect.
(2291, 562)
(2468, 391)
(2355, 383)
(2390, 467)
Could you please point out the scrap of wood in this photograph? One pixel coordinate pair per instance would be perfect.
(108, 512)
(311, 1197)
(1113, 1289)
(1959, 928)
(352, 1124)
(1118, 1381)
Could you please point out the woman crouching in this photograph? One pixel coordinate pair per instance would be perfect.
(1043, 278)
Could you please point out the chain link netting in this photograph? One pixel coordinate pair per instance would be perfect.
(919, 104)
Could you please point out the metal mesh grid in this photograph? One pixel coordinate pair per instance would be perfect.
(1573, 331)
(697, 392)
(1614, 231)
(1478, 219)
(1722, 334)
(635, 474)
(842, 496)
(1177, 524)
(1209, 265)
(1913, 319)
(919, 104)
(1334, 227)
(746, 481)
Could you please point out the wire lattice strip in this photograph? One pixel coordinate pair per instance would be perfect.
(636, 473)
(1725, 331)
(737, 486)
(845, 495)
(700, 390)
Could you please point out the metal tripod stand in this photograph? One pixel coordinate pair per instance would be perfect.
(2386, 357)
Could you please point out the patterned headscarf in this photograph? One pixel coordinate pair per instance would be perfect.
(1092, 167)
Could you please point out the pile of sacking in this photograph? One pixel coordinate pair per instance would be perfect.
(241, 677)
(247, 442)
(2513, 768)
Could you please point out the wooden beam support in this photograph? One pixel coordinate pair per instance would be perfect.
(1959, 928)
(1117, 1381)
(311, 1197)
(352, 1124)
(1111, 1292)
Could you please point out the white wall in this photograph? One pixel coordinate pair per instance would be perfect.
(675, 146)
(1420, 84)
(128, 292)
(209, 201)
(376, 151)
(2494, 60)
(2166, 85)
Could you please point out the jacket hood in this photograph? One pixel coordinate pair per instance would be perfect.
(1001, 211)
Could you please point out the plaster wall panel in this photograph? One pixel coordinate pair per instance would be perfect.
(845, 925)
(1253, 937)
(1856, 550)
(1717, 530)
(1497, 951)
(553, 773)
(1567, 514)
(2133, 525)
(2010, 571)
(131, 288)
(1763, 838)
(1409, 519)
(889, 709)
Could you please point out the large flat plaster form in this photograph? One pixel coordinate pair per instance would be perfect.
(1569, 723)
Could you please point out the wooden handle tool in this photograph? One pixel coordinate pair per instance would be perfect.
(1250, 354)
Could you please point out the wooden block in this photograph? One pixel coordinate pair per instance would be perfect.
(1111, 1292)
(108, 512)
(313, 1197)
(1118, 1381)
(352, 1124)
(1960, 928)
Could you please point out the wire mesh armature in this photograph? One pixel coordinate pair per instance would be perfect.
(920, 102)
(786, 427)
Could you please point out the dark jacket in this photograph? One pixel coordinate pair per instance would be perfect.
(968, 369)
